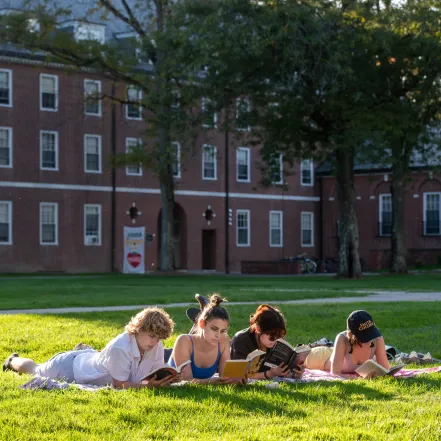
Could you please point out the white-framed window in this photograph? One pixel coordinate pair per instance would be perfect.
(133, 106)
(243, 228)
(432, 214)
(49, 92)
(243, 163)
(5, 223)
(385, 214)
(48, 223)
(307, 173)
(5, 88)
(5, 147)
(176, 154)
(243, 108)
(92, 98)
(48, 150)
(209, 115)
(307, 229)
(276, 170)
(92, 153)
(209, 162)
(133, 169)
(92, 225)
(89, 31)
(276, 228)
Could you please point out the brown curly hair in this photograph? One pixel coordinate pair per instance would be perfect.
(153, 320)
(353, 340)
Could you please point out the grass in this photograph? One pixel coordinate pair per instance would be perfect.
(52, 292)
(385, 409)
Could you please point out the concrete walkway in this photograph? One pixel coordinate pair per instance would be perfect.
(376, 296)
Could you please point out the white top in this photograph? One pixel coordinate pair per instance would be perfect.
(120, 360)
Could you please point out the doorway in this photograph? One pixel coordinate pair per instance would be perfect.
(208, 249)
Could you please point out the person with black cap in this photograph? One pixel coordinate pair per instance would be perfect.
(267, 324)
(361, 341)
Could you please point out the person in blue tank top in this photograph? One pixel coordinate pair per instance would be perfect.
(208, 349)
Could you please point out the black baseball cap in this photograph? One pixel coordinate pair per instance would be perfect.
(361, 324)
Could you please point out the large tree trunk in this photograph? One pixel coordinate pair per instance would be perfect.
(349, 253)
(400, 174)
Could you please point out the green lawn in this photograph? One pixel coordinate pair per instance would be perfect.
(382, 409)
(51, 292)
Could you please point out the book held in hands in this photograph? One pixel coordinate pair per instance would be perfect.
(166, 371)
(283, 352)
(244, 368)
(371, 368)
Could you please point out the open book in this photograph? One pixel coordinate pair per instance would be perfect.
(372, 367)
(283, 352)
(243, 368)
(165, 371)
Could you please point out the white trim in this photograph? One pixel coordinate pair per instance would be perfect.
(55, 205)
(425, 194)
(99, 114)
(139, 117)
(176, 145)
(280, 181)
(311, 170)
(99, 171)
(138, 142)
(87, 238)
(280, 213)
(9, 129)
(101, 188)
(380, 212)
(9, 72)
(49, 109)
(248, 104)
(307, 245)
(9, 205)
(214, 122)
(56, 150)
(247, 212)
(213, 152)
(248, 150)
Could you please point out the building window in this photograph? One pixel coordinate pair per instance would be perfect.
(92, 153)
(5, 223)
(89, 32)
(276, 170)
(243, 109)
(5, 147)
(385, 227)
(5, 88)
(243, 164)
(209, 162)
(92, 225)
(307, 173)
(276, 228)
(243, 228)
(49, 92)
(133, 169)
(49, 150)
(307, 226)
(176, 155)
(432, 214)
(133, 107)
(48, 224)
(92, 97)
(209, 115)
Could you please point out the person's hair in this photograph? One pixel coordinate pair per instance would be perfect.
(153, 320)
(353, 340)
(213, 310)
(268, 320)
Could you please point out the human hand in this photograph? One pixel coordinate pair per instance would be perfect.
(223, 380)
(371, 376)
(279, 371)
(298, 371)
(154, 383)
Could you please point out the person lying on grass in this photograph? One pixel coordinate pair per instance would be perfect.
(124, 362)
(208, 349)
(267, 324)
(361, 341)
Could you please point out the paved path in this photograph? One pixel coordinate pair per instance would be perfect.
(377, 296)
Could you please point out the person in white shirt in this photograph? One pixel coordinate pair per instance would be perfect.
(124, 362)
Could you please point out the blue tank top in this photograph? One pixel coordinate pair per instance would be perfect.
(198, 372)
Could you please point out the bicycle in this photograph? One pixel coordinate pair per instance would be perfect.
(307, 265)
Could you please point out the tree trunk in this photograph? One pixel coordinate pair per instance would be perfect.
(400, 172)
(348, 227)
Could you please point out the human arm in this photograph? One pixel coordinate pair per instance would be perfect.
(380, 353)
(181, 353)
(338, 355)
(152, 383)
